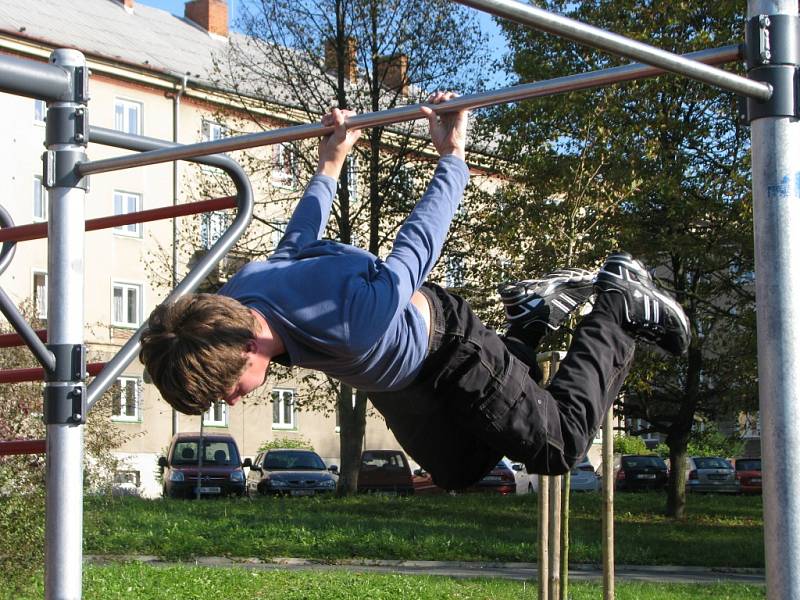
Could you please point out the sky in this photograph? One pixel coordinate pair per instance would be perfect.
(496, 45)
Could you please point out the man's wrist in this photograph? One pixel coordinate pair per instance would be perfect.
(330, 168)
(454, 151)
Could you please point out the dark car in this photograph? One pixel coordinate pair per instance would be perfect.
(385, 471)
(213, 468)
(748, 472)
(640, 472)
(290, 472)
(423, 483)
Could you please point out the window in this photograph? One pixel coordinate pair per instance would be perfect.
(39, 112)
(212, 131)
(283, 409)
(212, 226)
(125, 405)
(352, 178)
(126, 203)
(40, 294)
(128, 116)
(216, 415)
(126, 305)
(278, 229)
(39, 200)
(283, 166)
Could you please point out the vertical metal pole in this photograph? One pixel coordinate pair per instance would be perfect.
(608, 505)
(772, 47)
(65, 391)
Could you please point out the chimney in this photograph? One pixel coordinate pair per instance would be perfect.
(211, 15)
(350, 71)
(127, 5)
(392, 72)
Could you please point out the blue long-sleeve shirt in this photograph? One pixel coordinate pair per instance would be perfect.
(341, 310)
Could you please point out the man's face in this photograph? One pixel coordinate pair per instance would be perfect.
(254, 375)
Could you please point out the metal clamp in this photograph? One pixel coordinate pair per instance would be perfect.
(67, 125)
(65, 404)
(60, 169)
(70, 362)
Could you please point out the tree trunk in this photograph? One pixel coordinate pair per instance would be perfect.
(352, 424)
(676, 488)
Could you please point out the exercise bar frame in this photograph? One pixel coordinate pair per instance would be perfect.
(772, 55)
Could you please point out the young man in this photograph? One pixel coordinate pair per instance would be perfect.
(457, 395)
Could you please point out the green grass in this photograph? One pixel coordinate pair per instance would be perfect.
(142, 582)
(719, 531)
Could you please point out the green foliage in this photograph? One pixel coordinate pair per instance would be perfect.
(286, 442)
(710, 442)
(628, 444)
(662, 450)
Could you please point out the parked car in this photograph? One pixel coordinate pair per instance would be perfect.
(640, 472)
(505, 478)
(582, 478)
(423, 482)
(748, 472)
(711, 474)
(219, 473)
(290, 472)
(385, 471)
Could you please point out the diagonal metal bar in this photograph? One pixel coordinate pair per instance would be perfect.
(619, 45)
(405, 113)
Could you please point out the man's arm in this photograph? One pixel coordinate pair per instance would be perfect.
(312, 212)
(419, 240)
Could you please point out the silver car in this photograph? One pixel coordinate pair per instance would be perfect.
(711, 474)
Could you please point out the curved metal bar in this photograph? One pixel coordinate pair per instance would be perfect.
(620, 45)
(10, 310)
(411, 112)
(244, 196)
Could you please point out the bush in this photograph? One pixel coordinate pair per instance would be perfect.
(627, 444)
(710, 442)
(285, 442)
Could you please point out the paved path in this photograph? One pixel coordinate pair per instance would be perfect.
(517, 571)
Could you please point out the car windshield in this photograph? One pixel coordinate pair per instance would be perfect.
(750, 464)
(278, 460)
(641, 462)
(711, 463)
(215, 452)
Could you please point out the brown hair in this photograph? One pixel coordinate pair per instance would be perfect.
(194, 348)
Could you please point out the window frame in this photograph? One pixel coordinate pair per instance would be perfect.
(122, 382)
(133, 230)
(40, 314)
(126, 103)
(209, 422)
(281, 410)
(125, 286)
(41, 201)
(37, 103)
(280, 178)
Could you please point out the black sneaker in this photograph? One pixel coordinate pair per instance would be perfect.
(546, 301)
(651, 314)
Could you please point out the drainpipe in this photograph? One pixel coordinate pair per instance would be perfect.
(176, 105)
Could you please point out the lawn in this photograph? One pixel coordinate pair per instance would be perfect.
(719, 531)
(141, 582)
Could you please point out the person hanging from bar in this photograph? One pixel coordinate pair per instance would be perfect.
(457, 395)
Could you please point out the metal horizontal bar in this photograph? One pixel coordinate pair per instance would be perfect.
(37, 373)
(619, 45)
(11, 340)
(34, 231)
(25, 77)
(404, 113)
(12, 447)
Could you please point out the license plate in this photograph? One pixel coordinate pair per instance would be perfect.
(210, 490)
(718, 477)
(492, 478)
(302, 492)
(647, 476)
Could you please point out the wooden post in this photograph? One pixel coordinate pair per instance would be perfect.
(555, 537)
(544, 533)
(608, 505)
(564, 588)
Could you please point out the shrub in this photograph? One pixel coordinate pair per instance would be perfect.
(285, 442)
(627, 444)
(711, 442)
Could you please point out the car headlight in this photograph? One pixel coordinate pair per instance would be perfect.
(237, 476)
(327, 483)
(176, 476)
(277, 483)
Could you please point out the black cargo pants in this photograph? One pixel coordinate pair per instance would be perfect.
(476, 400)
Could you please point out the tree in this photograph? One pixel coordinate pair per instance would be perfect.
(364, 55)
(674, 148)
